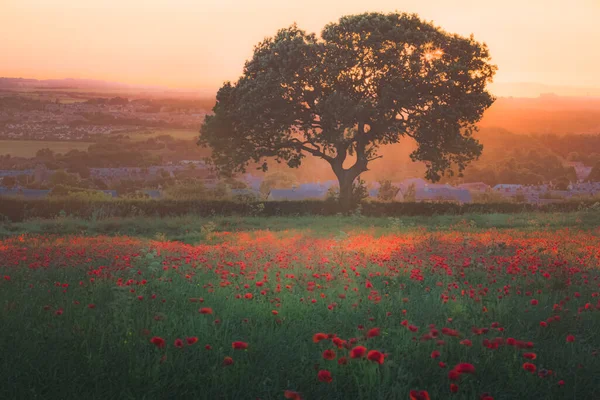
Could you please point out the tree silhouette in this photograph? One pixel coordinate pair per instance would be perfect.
(368, 81)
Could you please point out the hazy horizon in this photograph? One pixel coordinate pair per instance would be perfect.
(507, 89)
(184, 44)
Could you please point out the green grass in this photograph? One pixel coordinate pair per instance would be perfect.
(28, 148)
(334, 275)
(189, 228)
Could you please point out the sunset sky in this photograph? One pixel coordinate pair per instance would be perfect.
(201, 43)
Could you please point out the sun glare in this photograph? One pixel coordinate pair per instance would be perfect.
(433, 55)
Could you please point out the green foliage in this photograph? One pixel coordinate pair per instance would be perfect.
(410, 194)
(277, 180)
(9, 181)
(519, 159)
(490, 197)
(77, 194)
(387, 191)
(61, 177)
(19, 209)
(359, 193)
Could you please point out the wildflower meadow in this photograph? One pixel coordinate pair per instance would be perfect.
(481, 314)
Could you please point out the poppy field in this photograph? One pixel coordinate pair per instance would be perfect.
(481, 314)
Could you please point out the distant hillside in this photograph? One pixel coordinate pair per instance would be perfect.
(95, 88)
(528, 89)
(544, 114)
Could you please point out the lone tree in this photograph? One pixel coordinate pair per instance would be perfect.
(369, 80)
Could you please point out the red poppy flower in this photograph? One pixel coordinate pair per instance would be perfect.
(358, 352)
(419, 395)
(453, 388)
(450, 332)
(158, 342)
(375, 356)
(205, 310)
(543, 324)
(178, 343)
(239, 345)
(227, 361)
(453, 375)
(465, 368)
(290, 394)
(529, 367)
(373, 332)
(317, 337)
(324, 376)
(342, 361)
(530, 356)
(570, 338)
(413, 328)
(466, 342)
(534, 302)
(329, 354)
(435, 354)
(191, 340)
(338, 342)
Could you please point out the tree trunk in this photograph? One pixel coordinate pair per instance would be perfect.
(345, 199)
(347, 176)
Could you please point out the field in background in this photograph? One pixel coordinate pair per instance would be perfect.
(323, 308)
(28, 148)
(181, 134)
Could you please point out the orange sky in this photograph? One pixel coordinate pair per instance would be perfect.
(201, 43)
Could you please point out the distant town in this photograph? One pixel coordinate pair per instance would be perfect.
(26, 118)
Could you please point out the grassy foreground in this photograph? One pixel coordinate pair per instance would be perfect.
(193, 229)
(444, 305)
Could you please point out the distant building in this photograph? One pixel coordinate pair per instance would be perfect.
(374, 192)
(15, 172)
(433, 194)
(27, 193)
(508, 189)
(418, 182)
(475, 187)
(252, 181)
(300, 193)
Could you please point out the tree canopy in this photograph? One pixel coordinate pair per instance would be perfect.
(368, 80)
